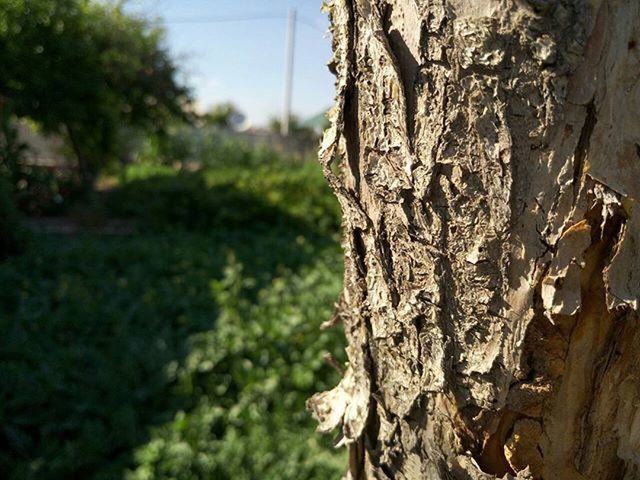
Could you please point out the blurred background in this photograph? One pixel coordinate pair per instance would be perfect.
(168, 245)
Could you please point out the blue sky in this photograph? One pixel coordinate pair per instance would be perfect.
(243, 61)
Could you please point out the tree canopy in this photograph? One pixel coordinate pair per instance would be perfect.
(86, 69)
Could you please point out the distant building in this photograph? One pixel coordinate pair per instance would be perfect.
(43, 150)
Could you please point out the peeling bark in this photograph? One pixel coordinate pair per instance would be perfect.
(489, 157)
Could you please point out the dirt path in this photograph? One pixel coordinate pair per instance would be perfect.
(71, 226)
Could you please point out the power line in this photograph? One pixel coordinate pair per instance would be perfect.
(243, 18)
(290, 46)
(227, 18)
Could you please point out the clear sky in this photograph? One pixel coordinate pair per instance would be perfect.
(243, 61)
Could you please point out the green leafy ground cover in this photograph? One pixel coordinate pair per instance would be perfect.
(185, 351)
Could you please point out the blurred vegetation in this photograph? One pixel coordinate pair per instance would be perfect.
(185, 346)
(34, 189)
(84, 69)
(206, 146)
(12, 151)
(162, 198)
(222, 115)
(185, 351)
(297, 128)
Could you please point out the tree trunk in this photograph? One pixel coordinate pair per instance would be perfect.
(84, 168)
(489, 166)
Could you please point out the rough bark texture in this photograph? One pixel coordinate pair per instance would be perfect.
(489, 169)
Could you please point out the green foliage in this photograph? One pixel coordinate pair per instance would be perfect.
(296, 129)
(259, 374)
(206, 146)
(84, 69)
(34, 189)
(180, 353)
(222, 115)
(12, 150)
(271, 195)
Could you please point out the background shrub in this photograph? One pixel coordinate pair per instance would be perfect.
(184, 352)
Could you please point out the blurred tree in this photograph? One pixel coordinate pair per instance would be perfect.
(297, 129)
(12, 150)
(85, 69)
(223, 115)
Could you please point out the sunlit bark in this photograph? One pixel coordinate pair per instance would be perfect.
(490, 165)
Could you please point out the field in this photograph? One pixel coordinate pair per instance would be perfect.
(185, 350)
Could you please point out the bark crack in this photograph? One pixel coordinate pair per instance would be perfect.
(582, 148)
(406, 65)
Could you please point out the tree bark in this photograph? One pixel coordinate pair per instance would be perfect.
(489, 164)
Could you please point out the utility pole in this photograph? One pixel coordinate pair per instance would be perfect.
(288, 72)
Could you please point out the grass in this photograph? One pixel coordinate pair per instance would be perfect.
(183, 352)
